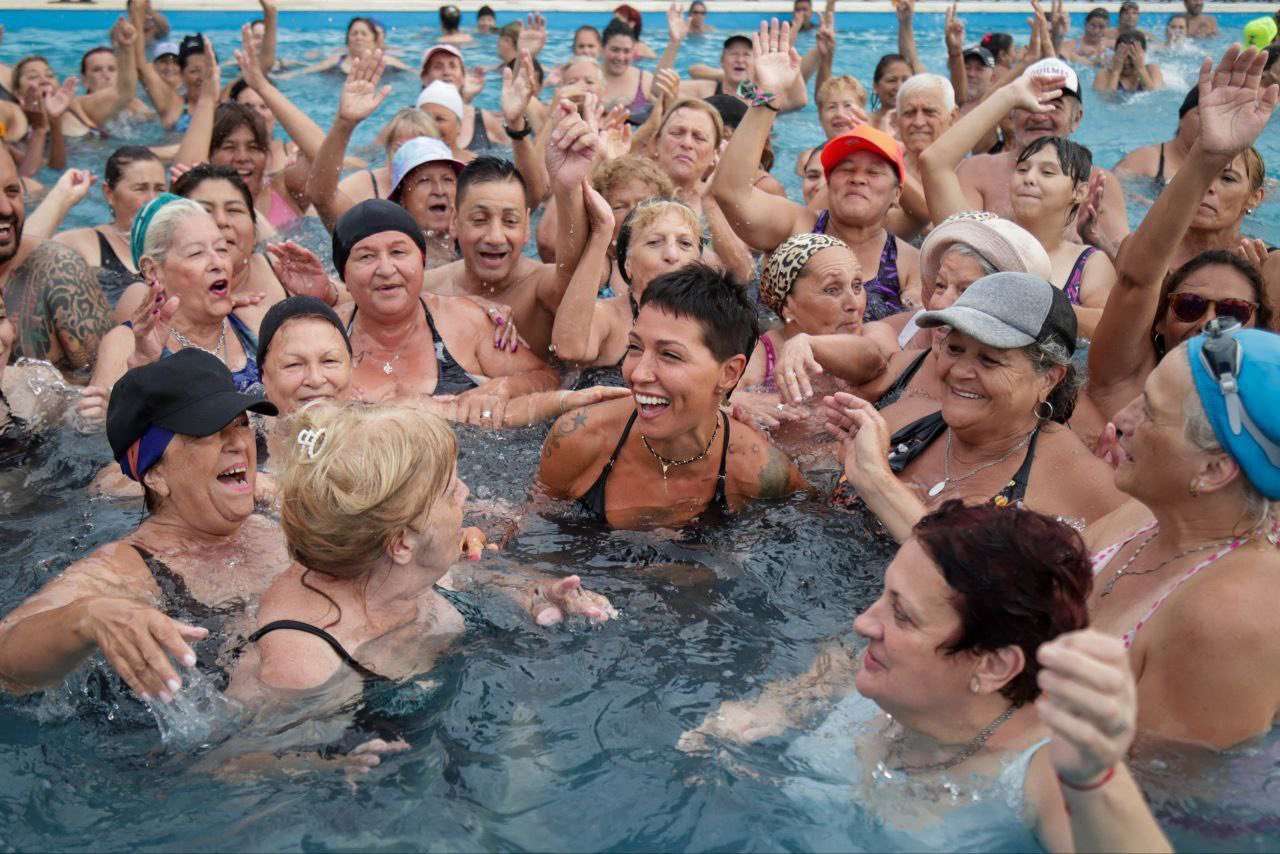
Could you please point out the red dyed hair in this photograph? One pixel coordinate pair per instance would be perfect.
(1018, 578)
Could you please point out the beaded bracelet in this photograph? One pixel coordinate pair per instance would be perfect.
(1089, 787)
(754, 97)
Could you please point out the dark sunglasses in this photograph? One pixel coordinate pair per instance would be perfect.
(1189, 308)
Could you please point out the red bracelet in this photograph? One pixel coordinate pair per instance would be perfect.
(1102, 781)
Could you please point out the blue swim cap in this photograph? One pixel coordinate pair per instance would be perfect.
(1244, 411)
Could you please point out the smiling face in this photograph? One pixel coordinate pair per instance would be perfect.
(384, 275)
(904, 668)
(36, 78)
(361, 39)
(170, 70)
(1062, 121)
(862, 188)
(444, 66)
(1040, 189)
(618, 53)
(234, 218)
(886, 88)
(1228, 198)
(253, 101)
(838, 112)
(13, 211)
(307, 361)
(978, 76)
(196, 269)
(675, 378)
(686, 147)
(428, 193)
(208, 481)
(194, 74)
(736, 61)
(100, 71)
(241, 151)
(492, 229)
(447, 122)
(828, 296)
(665, 244)
(1157, 460)
(988, 388)
(922, 118)
(956, 272)
(1213, 282)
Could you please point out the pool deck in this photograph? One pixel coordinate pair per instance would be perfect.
(766, 6)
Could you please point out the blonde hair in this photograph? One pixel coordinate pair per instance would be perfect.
(650, 211)
(835, 85)
(700, 106)
(369, 472)
(611, 174)
(410, 118)
(160, 231)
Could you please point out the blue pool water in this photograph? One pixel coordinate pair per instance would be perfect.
(526, 739)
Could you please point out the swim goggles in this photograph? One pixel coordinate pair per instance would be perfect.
(1222, 356)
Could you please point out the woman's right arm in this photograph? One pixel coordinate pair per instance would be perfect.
(1234, 110)
(583, 323)
(165, 98)
(199, 136)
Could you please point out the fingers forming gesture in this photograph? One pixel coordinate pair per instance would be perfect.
(360, 94)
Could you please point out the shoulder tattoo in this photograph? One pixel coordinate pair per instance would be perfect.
(58, 305)
(565, 426)
(775, 474)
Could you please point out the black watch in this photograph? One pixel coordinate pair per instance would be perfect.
(518, 134)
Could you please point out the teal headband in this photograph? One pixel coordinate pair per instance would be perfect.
(141, 222)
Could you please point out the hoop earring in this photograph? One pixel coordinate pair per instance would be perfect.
(1037, 410)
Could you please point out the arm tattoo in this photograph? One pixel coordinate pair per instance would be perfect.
(60, 309)
(775, 474)
(565, 426)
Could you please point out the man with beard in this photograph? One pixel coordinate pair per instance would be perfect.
(985, 177)
(52, 297)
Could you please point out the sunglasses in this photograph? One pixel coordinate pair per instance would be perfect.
(1189, 308)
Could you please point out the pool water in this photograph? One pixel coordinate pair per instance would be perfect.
(525, 738)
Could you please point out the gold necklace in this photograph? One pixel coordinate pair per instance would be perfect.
(670, 464)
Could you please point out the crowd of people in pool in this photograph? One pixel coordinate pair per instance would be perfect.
(1070, 428)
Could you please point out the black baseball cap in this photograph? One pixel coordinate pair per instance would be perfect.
(737, 37)
(190, 392)
(190, 46)
(981, 53)
(1008, 310)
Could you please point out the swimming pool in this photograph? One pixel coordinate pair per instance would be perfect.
(526, 739)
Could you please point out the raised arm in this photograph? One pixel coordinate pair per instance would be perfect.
(164, 98)
(906, 12)
(1234, 110)
(677, 31)
(571, 153)
(297, 124)
(938, 162)
(359, 99)
(584, 324)
(517, 92)
(70, 191)
(199, 136)
(761, 219)
(824, 42)
(270, 35)
(107, 104)
(953, 34)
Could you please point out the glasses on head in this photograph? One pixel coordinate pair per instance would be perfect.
(1189, 308)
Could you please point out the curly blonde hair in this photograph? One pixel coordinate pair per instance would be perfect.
(369, 472)
(833, 86)
(609, 175)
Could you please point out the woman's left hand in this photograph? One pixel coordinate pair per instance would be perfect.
(474, 542)
(91, 409)
(552, 601)
(300, 271)
(505, 334)
(1089, 702)
(480, 408)
(795, 363)
(864, 435)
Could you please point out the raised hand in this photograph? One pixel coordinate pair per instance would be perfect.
(677, 25)
(517, 90)
(1035, 92)
(905, 10)
(599, 212)
(473, 83)
(75, 184)
(151, 324)
(666, 85)
(211, 87)
(1253, 252)
(1043, 31)
(123, 34)
(533, 35)
(1089, 702)
(1234, 106)
(59, 100)
(300, 271)
(777, 65)
(615, 133)
(1087, 218)
(953, 31)
(574, 143)
(360, 94)
(246, 58)
(552, 601)
(825, 39)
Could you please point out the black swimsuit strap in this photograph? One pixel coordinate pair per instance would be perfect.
(894, 392)
(316, 631)
(912, 440)
(174, 588)
(1016, 489)
(721, 499)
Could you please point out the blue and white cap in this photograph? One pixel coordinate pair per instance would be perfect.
(417, 152)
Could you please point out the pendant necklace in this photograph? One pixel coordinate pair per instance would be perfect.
(670, 464)
(187, 342)
(975, 744)
(1124, 570)
(947, 479)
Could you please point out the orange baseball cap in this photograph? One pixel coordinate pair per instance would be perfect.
(862, 138)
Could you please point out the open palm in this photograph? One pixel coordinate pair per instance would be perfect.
(360, 94)
(1234, 107)
(776, 63)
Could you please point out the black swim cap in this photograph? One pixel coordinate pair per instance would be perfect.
(288, 309)
(370, 217)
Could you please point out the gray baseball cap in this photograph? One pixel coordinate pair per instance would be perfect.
(1008, 310)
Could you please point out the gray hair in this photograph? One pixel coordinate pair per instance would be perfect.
(163, 226)
(928, 83)
(1199, 432)
(967, 251)
(1045, 355)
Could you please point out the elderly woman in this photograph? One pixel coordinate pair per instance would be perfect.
(670, 452)
(976, 659)
(1047, 187)
(842, 105)
(864, 181)
(1008, 390)
(177, 426)
(375, 182)
(1149, 312)
(372, 513)
(408, 342)
(1186, 573)
(186, 263)
(306, 356)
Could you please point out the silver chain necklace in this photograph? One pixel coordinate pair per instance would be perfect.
(938, 487)
(187, 342)
(974, 745)
(1124, 570)
(670, 464)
